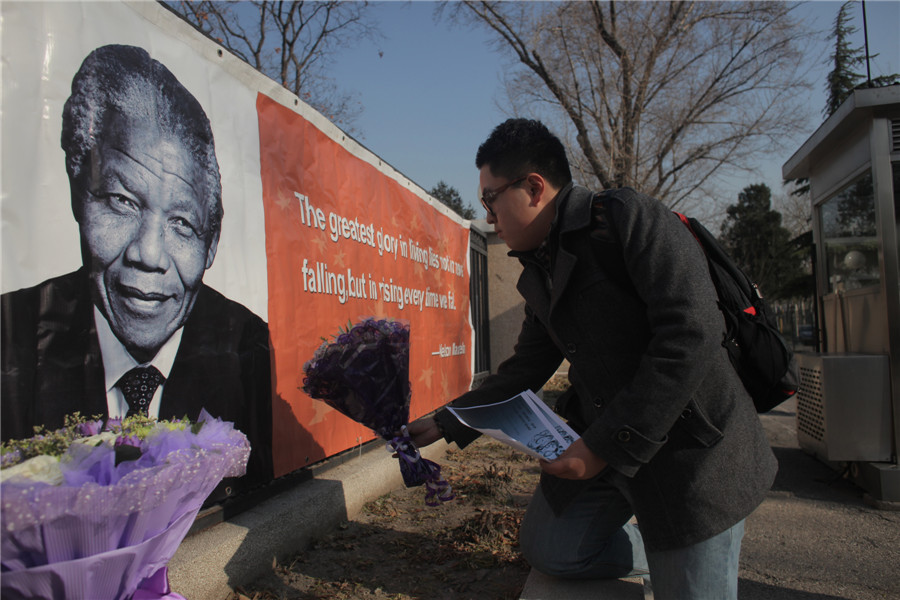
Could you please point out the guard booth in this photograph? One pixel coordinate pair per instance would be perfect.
(848, 405)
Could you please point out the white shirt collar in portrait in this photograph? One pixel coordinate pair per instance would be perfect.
(117, 361)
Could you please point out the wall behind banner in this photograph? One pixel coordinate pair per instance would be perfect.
(317, 230)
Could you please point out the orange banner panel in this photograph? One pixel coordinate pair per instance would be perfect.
(345, 241)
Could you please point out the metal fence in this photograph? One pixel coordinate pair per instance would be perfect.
(797, 322)
(478, 294)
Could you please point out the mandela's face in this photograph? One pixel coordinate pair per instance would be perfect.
(146, 237)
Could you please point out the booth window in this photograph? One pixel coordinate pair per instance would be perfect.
(849, 233)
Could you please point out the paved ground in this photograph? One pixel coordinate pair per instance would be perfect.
(815, 537)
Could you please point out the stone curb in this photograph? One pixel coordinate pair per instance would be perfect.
(210, 563)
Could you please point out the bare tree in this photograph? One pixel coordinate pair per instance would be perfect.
(291, 42)
(661, 96)
(795, 211)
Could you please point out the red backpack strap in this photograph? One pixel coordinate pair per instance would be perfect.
(687, 223)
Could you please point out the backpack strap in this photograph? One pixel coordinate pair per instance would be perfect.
(687, 223)
(724, 272)
(723, 269)
(603, 244)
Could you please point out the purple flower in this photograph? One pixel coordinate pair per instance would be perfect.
(364, 374)
(89, 428)
(8, 459)
(128, 440)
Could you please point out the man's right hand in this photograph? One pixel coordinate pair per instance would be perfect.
(424, 431)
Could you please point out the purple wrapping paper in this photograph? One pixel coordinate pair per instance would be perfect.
(114, 574)
(364, 374)
(88, 540)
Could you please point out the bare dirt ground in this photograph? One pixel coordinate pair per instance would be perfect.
(398, 548)
(813, 538)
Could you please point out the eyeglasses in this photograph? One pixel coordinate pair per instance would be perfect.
(488, 196)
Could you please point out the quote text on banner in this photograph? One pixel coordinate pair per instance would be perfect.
(345, 241)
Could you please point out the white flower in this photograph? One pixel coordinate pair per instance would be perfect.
(105, 437)
(41, 468)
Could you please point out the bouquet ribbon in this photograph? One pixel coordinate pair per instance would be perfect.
(417, 470)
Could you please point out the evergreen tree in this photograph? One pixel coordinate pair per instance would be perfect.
(448, 196)
(846, 59)
(843, 77)
(754, 236)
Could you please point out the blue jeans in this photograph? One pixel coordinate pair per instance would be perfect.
(592, 539)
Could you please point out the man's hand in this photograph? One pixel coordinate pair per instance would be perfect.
(424, 431)
(577, 462)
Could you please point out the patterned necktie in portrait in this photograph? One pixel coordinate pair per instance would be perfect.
(138, 386)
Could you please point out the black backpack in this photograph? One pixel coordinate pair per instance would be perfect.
(766, 365)
(762, 359)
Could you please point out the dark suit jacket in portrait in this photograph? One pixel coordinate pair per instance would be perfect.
(51, 366)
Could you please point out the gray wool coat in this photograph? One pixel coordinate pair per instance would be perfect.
(628, 301)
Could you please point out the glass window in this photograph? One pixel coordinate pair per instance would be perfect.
(849, 234)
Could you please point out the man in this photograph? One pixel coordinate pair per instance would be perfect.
(615, 283)
(146, 193)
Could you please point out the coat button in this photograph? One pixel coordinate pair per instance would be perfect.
(686, 413)
(571, 348)
(624, 436)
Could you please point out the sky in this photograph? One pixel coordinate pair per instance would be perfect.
(430, 91)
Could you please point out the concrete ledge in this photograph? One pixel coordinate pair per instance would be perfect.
(209, 564)
(543, 587)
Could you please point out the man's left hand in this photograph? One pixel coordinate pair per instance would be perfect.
(577, 462)
(424, 431)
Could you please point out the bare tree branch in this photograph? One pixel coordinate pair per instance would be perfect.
(666, 97)
(291, 42)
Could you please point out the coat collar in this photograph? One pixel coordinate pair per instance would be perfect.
(573, 212)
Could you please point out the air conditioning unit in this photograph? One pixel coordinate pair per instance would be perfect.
(843, 406)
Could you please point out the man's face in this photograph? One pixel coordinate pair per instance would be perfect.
(519, 216)
(144, 217)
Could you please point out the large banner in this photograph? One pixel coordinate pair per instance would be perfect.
(344, 242)
(168, 212)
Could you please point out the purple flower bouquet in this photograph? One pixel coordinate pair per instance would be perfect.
(364, 374)
(98, 514)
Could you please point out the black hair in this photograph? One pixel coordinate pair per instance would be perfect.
(520, 146)
(126, 80)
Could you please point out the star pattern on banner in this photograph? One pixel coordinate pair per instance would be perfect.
(445, 385)
(426, 375)
(339, 257)
(379, 311)
(284, 200)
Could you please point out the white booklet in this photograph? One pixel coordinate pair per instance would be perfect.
(523, 422)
